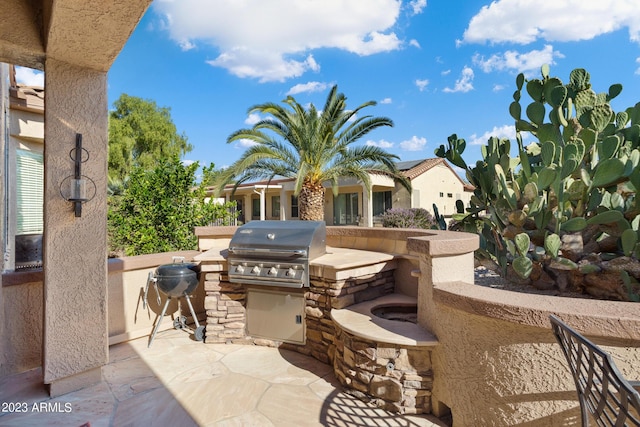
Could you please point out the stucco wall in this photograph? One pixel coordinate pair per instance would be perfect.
(22, 343)
(498, 362)
(128, 318)
(22, 303)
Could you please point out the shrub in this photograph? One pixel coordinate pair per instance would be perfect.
(159, 209)
(409, 218)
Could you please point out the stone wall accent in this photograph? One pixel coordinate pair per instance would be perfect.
(326, 294)
(225, 306)
(394, 377)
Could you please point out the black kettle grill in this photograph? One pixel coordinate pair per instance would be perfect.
(175, 280)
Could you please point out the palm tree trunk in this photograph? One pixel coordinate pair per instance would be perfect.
(311, 201)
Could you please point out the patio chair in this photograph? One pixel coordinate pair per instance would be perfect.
(602, 390)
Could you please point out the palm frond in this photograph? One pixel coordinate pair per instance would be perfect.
(314, 147)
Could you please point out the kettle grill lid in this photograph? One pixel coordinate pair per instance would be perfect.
(176, 269)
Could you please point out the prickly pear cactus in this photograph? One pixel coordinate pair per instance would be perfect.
(563, 212)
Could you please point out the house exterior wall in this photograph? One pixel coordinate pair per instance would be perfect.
(4, 107)
(402, 199)
(441, 186)
(427, 187)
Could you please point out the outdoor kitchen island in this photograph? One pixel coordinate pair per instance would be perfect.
(394, 374)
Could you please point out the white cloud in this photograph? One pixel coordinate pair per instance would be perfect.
(519, 62)
(29, 77)
(524, 21)
(498, 87)
(638, 62)
(263, 65)
(251, 46)
(506, 131)
(245, 143)
(413, 144)
(464, 83)
(414, 43)
(308, 88)
(252, 119)
(445, 73)
(422, 84)
(417, 6)
(382, 143)
(386, 101)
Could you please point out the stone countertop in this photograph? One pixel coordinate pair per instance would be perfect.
(215, 254)
(345, 258)
(344, 263)
(337, 263)
(358, 320)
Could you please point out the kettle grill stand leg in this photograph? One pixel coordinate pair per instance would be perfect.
(155, 329)
(199, 332)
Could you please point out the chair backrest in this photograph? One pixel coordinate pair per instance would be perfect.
(602, 390)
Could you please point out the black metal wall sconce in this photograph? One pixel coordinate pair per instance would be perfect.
(78, 188)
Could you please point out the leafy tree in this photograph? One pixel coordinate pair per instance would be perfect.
(313, 147)
(159, 209)
(141, 134)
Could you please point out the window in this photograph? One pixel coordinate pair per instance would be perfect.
(22, 143)
(29, 201)
(441, 194)
(294, 207)
(29, 192)
(381, 202)
(255, 208)
(450, 195)
(345, 209)
(275, 206)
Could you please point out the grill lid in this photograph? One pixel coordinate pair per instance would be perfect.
(280, 238)
(181, 269)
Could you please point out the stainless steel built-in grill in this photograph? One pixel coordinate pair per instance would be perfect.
(275, 253)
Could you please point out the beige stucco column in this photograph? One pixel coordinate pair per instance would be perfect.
(248, 208)
(367, 205)
(75, 343)
(284, 205)
(446, 256)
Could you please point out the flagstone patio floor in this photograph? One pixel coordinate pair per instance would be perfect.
(181, 382)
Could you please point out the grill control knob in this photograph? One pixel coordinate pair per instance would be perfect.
(272, 271)
(255, 270)
(240, 269)
(290, 272)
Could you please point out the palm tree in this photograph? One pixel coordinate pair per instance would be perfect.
(312, 147)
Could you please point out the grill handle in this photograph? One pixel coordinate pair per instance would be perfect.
(268, 251)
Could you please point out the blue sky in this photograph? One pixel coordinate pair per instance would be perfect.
(435, 67)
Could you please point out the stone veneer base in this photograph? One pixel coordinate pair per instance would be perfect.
(386, 361)
(395, 375)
